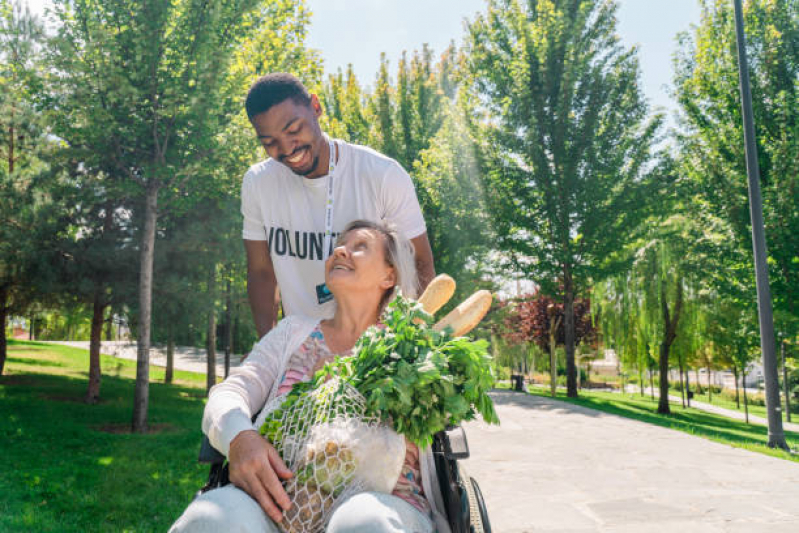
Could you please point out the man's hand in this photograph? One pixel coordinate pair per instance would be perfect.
(256, 468)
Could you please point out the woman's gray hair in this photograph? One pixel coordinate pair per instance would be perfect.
(400, 254)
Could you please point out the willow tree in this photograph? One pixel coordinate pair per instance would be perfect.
(567, 137)
(664, 267)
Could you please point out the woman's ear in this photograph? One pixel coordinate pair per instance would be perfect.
(390, 280)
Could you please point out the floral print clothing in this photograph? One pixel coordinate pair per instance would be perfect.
(306, 360)
(409, 484)
(310, 357)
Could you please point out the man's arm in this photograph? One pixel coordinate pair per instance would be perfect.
(261, 286)
(425, 269)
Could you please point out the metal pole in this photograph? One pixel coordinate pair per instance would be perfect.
(785, 382)
(776, 436)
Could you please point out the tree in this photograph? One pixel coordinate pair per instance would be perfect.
(451, 195)
(539, 319)
(706, 80)
(663, 271)
(29, 219)
(567, 140)
(152, 80)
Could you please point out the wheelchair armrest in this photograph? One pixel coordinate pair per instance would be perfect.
(454, 443)
(209, 454)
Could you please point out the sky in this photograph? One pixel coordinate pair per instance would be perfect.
(357, 31)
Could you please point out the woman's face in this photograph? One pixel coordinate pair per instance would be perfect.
(358, 264)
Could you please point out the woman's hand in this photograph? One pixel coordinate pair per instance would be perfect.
(256, 468)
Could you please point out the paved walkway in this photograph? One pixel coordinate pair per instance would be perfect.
(556, 467)
(186, 358)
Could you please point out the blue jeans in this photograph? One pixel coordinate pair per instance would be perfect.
(230, 509)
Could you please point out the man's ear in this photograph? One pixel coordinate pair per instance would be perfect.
(316, 106)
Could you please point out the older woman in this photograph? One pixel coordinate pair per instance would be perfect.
(369, 262)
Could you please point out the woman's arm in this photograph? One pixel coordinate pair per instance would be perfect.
(232, 403)
(254, 464)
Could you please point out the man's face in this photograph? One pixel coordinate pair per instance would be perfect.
(290, 133)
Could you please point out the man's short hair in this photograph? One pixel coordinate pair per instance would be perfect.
(273, 89)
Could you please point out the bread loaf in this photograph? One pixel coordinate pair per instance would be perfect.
(437, 293)
(467, 315)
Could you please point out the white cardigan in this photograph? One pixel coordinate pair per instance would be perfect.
(248, 388)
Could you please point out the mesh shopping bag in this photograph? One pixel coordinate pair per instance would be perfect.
(334, 449)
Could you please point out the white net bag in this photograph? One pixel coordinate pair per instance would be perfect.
(333, 448)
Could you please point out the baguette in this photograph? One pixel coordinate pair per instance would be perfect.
(437, 293)
(467, 315)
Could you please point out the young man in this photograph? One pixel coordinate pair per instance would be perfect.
(295, 203)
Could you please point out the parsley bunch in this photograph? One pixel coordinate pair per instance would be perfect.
(419, 380)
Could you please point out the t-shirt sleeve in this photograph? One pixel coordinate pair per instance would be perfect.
(254, 229)
(401, 206)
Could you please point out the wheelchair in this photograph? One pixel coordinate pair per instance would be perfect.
(463, 501)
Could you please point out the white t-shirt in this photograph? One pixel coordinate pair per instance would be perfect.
(288, 212)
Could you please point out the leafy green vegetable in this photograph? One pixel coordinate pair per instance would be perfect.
(419, 380)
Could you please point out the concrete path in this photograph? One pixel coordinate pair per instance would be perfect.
(556, 467)
(186, 358)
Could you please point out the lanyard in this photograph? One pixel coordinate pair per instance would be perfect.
(329, 204)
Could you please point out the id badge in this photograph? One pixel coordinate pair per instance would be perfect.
(323, 294)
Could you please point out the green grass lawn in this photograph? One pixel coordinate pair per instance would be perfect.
(715, 427)
(756, 410)
(69, 466)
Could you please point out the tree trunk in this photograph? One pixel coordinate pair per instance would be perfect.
(228, 327)
(95, 373)
(641, 380)
(553, 362)
(210, 374)
(688, 387)
(568, 329)
(170, 356)
(3, 320)
(32, 321)
(142, 392)
(553, 368)
(651, 382)
(235, 328)
(737, 394)
(663, 401)
(698, 382)
(746, 400)
(682, 383)
(785, 384)
(709, 386)
(109, 325)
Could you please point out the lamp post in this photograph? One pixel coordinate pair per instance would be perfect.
(776, 436)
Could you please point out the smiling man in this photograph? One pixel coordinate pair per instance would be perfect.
(296, 202)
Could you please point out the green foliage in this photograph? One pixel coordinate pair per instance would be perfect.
(712, 145)
(565, 136)
(566, 141)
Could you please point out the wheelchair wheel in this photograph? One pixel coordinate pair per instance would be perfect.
(478, 517)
